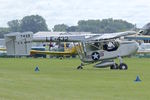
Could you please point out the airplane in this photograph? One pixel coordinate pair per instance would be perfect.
(34, 51)
(145, 30)
(144, 48)
(100, 49)
(66, 52)
(2, 49)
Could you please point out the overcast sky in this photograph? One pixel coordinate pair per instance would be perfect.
(70, 11)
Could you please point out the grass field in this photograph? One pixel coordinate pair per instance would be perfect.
(59, 80)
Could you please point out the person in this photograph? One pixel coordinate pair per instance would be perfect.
(110, 46)
(50, 46)
(105, 46)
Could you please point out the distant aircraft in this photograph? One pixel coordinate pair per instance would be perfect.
(101, 49)
(66, 52)
(144, 48)
(145, 30)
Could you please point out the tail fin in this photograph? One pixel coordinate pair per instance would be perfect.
(145, 29)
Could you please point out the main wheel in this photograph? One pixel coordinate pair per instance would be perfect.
(123, 66)
(79, 67)
(115, 66)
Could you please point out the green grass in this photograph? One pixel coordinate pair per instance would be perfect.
(59, 80)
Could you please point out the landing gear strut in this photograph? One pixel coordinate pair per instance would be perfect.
(80, 66)
(122, 65)
(114, 66)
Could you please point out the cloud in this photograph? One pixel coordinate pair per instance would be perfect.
(70, 11)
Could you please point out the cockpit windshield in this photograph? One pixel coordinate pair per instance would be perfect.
(108, 46)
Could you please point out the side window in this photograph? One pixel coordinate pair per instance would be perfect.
(93, 46)
(111, 46)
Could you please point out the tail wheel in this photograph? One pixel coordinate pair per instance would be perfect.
(79, 67)
(115, 66)
(123, 66)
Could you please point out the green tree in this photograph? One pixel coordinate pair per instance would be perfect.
(3, 31)
(89, 26)
(104, 26)
(72, 29)
(33, 23)
(14, 25)
(60, 28)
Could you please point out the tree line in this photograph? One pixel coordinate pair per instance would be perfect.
(97, 26)
(35, 23)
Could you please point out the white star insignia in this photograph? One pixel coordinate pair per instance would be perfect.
(95, 56)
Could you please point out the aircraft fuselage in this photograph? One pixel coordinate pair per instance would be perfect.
(125, 48)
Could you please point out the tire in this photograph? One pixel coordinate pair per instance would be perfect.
(114, 66)
(123, 66)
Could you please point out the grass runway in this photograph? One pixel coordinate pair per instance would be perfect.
(60, 80)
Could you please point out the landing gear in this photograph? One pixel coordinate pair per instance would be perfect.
(115, 66)
(80, 66)
(123, 66)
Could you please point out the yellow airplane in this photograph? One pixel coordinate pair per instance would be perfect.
(2, 49)
(67, 51)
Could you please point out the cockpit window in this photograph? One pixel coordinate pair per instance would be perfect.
(93, 46)
(107, 46)
(111, 46)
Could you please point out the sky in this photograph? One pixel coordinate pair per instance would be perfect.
(71, 11)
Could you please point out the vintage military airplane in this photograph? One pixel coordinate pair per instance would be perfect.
(101, 49)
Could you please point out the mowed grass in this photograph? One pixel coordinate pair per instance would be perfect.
(60, 80)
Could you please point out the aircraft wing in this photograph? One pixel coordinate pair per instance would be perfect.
(2, 49)
(110, 36)
(79, 37)
(32, 52)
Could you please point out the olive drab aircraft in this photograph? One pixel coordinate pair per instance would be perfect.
(100, 49)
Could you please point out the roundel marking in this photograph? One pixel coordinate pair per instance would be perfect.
(95, 56)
